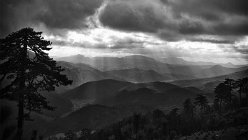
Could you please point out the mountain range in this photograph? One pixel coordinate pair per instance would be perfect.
(81, 73)
(180, 61)
(208, 84)
(135, 68)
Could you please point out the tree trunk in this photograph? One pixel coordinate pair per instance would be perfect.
(246, 91)
(20, 115)
(220, 104)
(21, 93)
(240, 98)
(230, 99)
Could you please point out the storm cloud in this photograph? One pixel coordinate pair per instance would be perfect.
(178, 17)
(69, 14)
(136, 15)
(14, 14)
(53, 14)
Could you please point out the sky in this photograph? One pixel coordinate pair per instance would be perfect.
(195, 30)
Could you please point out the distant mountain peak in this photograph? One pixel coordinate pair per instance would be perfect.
(229, 63)
(217, 67)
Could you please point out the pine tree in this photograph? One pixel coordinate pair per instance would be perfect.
(188, 108)
(202, 102)
(230, 84)
(221, 94)
(245, 88)
(242, 84)
(28, 70)
(70, 135)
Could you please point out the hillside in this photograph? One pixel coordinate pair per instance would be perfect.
(155, 94)
(90, 117)
(62, 105)
(96, 89)
(139, 75)
(112, 93)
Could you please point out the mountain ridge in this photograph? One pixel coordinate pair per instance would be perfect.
(147, 63)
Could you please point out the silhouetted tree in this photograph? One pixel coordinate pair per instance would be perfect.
(221, 94)
(173, 113)
(243, 88)
(34, 135)
(70, 135)
(29, 70)
(201, 101)
(230, 83)
(173, 119)
(241, 84)
(216, 105)
(188, 108)
(85, 134)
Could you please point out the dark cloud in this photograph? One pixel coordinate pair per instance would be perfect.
(191, 27)
(209, 9)
(239, 7)
(133, 16)
(146, 16)
(241, 49)
(69, 14)
(225, 17)
(233, 28)
(176, 19)
(13, 14)
(54, 14)
(215, 41)
(170, 20)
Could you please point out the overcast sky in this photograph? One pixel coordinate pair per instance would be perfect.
(197, 30)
